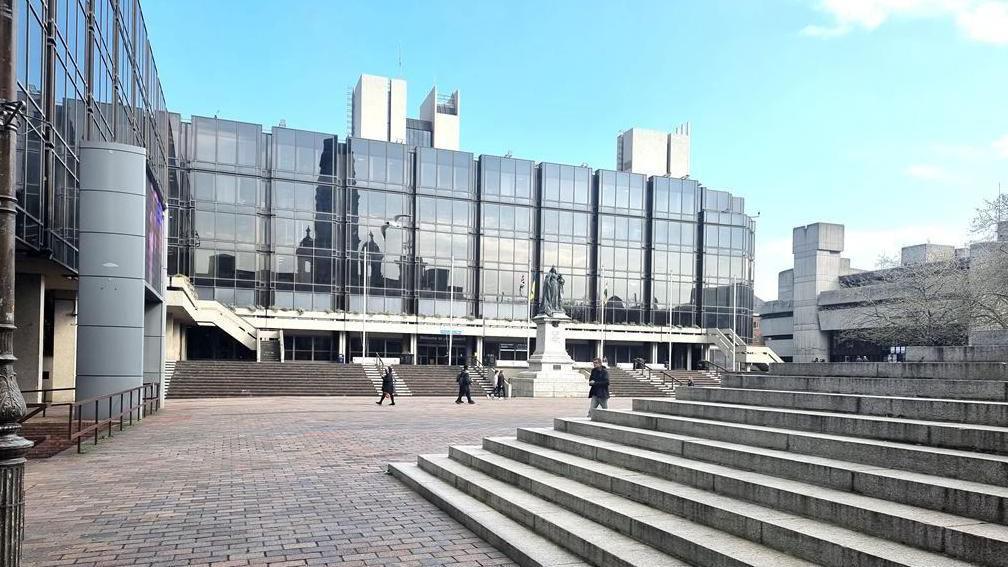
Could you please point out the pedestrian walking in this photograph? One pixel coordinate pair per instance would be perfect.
(387, 386)
(598, 383)
(500, 390)
(464, 382)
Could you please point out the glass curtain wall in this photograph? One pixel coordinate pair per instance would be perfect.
(566, 234)
(85, 71)
(674, 209)
(225, 212)
(622, 248)
(447, 229)
(379, 227)
(507, 237)
(303, 201)
(727, 264)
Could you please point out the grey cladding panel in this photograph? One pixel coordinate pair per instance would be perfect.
(112, 255)
(106, 301)
(118, 213)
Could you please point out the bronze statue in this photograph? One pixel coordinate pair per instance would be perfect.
(551, 294)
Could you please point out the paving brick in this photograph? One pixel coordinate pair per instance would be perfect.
(266, 481)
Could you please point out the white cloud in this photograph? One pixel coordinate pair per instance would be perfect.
(985, 21)
(927, 172)
(1001, 146)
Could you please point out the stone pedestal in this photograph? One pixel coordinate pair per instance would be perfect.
(551, 371)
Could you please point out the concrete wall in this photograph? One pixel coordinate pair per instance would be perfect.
(989, 337)
(937, 370)
(175, 339)
(446, 134)
(379, 109)
(64, 362)
(785, 285)
(645, 151)
(817, 263)
(29, 314)
(110, 315)
(154, 342)
(679, 152)
(987, 353)
(922, 253)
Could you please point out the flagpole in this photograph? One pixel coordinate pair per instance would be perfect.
(451, 305)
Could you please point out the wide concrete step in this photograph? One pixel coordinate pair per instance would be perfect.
(932, 409)
(618, 499)
(911, 387)
(936, 532)
(984, 438)
(593, 439)
(648, 536)
(958, 464)
(521, 544)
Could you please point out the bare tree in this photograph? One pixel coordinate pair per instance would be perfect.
(917, 304)
(988, 274)
(939, 302)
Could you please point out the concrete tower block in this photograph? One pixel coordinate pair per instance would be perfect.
(110, 314)
(817, 266)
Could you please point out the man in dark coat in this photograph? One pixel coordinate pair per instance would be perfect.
(599, 386)
(500, 390)
(387, 386)
(464, 381)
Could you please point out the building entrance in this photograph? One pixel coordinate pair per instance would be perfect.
(433, 349)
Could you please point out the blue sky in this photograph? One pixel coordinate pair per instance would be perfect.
(889, 116)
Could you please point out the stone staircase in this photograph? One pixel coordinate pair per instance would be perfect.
(665, 387)
(768, 470)
(169, 370)
(374, 374)
(432, 380)
(627, 384)
(483, 379)
(224, 378)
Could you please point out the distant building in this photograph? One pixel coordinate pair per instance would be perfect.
(654, 153)
(378, 112)
(821, 297)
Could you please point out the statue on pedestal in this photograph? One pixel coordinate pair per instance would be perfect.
(551, 294)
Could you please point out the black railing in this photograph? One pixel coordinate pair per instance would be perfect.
(663, 376)
(143, 400)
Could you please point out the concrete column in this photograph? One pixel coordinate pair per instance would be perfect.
(342, 345)
(817, 265)
(64, 364)
(154, 343)
(689, 357)
(414, 345)
(110, 316)
(479, 349)
(598, 349)
(29, 315)
(654, 353)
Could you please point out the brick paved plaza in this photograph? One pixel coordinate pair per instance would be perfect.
(266, 481)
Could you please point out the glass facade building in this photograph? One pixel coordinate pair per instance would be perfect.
(85, 72)
(297, 220)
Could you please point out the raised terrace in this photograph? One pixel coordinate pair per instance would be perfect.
(817, 464)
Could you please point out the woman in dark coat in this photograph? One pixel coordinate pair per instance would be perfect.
(387, 386)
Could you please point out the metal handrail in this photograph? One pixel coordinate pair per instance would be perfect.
(139, 399)
(663, 375)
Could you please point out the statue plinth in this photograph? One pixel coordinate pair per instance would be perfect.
(551, 371)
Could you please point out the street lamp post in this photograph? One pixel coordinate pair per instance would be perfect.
(734, 348)
(12, 405)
